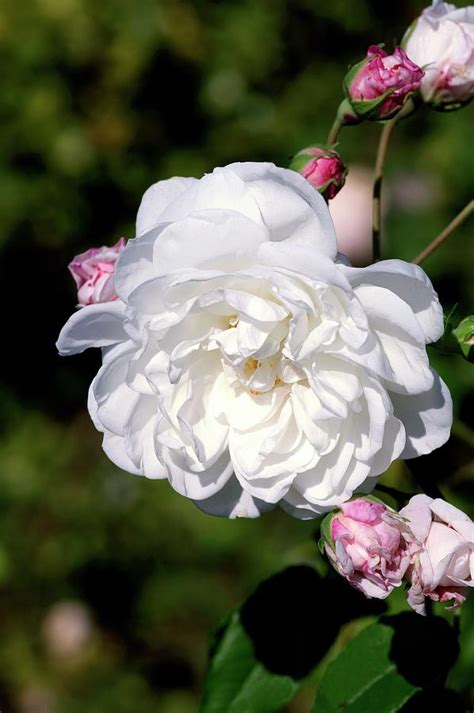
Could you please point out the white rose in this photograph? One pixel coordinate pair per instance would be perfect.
(246, 362)
(441, 42)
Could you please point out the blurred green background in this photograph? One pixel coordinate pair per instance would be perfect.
(110, 584)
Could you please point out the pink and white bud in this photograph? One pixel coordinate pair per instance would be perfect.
(322, 167)
(441, 41)
(442, 566)
(368, 543)
(93, 272)
(378, 87)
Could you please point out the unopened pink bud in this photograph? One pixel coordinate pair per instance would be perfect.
(322, 167)
(93, 273)
(378, 87)
(367, 543)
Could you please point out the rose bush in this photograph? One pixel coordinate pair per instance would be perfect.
(441, 41)
(247, 362)
(443, 560)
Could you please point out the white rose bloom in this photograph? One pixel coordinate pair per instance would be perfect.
(246, 362)
(441, 42)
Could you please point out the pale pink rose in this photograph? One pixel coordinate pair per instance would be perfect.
(441, 41)
(368, 545)
(442, 565)
(378, 87)
(324, 169)
(93, 272)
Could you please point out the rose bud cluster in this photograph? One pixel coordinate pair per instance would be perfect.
(378, 87)
(441, 41)
(442, 566)
(429, 546)
(93, 273)
(367, 544)
(322, 167)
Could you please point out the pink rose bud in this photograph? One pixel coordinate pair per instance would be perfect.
(93, 272)
(442, 565)
(441, 41)
(367, 543)
(322, 167)
(378, 87)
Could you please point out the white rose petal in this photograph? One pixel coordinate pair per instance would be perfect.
(247, 362)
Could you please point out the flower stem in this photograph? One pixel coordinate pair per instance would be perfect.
(455, 223)
(335, 131)
(377, 189)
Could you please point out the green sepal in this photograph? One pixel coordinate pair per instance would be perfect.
(368, 109)
(458, 336)
(325, 530)
(299, 161)
(347, 115)
(464, 335)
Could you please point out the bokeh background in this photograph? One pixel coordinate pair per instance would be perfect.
(110, 584)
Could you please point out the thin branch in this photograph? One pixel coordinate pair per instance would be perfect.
(444, 235)
(335, 131)
(377, 189)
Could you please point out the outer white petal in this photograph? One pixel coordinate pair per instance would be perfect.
(401, 337)
(98, 325)
(135, 263)
(411, 284)
(303, 260)
(222, 189)
(157, 198)
(140, 439)
(297, 506)
(115, 401)
(194, 484)
(427, 418)
(114, 447)
(279, 199)
(285, 217)
(232, 501)
(206, 238)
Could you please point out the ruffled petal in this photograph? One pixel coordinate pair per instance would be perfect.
(411, 284)
(427, 418)
(98, 325)
(157, 198)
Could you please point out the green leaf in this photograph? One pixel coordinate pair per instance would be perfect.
(266, 650)
(238, 683)
(387, 664)
(364, 678)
